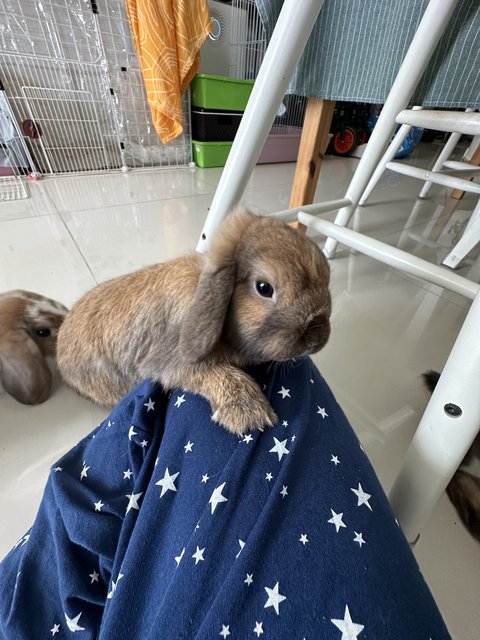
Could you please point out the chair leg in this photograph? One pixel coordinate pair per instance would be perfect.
(389, 154)
(447, 429)
(469, 239)
(430, 29)
(444, 155)
(475, 160)
(286, 45)
(316, 126)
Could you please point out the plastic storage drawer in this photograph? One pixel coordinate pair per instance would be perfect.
(211, 125)
(219, 92)
(210, 154)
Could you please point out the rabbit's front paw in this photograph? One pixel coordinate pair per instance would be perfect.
(245, 411)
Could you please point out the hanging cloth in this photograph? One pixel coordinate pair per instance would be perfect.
(168, 35)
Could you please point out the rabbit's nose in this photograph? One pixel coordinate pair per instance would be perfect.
(318, 323)
(317, 332)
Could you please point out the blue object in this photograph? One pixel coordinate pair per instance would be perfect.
(410, 141)
(161, 525)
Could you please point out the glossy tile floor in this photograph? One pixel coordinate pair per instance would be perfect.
(387, 328)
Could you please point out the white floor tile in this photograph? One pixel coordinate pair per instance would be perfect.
(387, 328)
(39, 255)
(116, 240)
(83, 192)
(37, 204)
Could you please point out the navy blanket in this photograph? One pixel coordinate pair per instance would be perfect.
(161, 525)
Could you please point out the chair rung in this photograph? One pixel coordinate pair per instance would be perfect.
(461, 166)
(432, 176)
(452, 121)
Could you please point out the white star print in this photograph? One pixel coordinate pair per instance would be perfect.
(114, 586)
(337, 520)
(248, 438)
(99, 505)
(350, 630)
(285, 423)
(322, 412)
(180, 400)
(131, 432)
(57, 469)
(258, 628)
(249, 579)
(127, 474)
(144, 443)
(22, 541)
(293, 438)
(303, 538)
(94, 576)
(269, 476)
(335, 460)
(109, 425)
(279, 448)
(150, 405)
(178, 559)
(284, 491)
(205, 478)
(198, 555)
(359, 538)
(84, 471)
(285, 393)
(133, 501)
(312, 380)
(167, 482)
(225, 631)
(242, 544)
(217, 497)
(72, 623)
(188, 447)
(55, 629)
(274, 598)
(363, 497)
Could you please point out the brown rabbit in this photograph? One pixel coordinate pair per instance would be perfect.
(259, 294)
(28, 332)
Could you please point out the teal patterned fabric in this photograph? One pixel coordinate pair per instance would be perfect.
(357, 46)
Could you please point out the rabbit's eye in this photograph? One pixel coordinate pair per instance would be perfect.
(43, 333)
(265, 289)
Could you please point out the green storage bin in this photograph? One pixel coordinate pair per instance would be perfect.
(220, 92)
(210, 154)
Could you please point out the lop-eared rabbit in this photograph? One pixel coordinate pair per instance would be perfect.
(29, 323)
(259, 294)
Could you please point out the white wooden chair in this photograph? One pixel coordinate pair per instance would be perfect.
(452, 417)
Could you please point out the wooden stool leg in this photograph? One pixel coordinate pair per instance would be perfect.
(316, 126)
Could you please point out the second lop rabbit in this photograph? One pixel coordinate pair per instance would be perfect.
(260, 293)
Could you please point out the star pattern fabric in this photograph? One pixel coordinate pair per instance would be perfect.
(200, 534)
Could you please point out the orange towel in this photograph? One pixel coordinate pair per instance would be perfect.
(168, 35)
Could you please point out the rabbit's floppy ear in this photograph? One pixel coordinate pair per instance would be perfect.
(203, 322)
(24, 372)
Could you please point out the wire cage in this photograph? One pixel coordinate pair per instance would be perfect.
(73, 90)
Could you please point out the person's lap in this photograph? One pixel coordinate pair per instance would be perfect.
(160, 524)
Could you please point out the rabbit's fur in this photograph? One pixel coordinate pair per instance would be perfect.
(464, 487)
(29, 325)
(193, 322)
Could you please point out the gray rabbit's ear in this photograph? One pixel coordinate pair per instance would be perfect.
(24, 372)
(203, 322)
